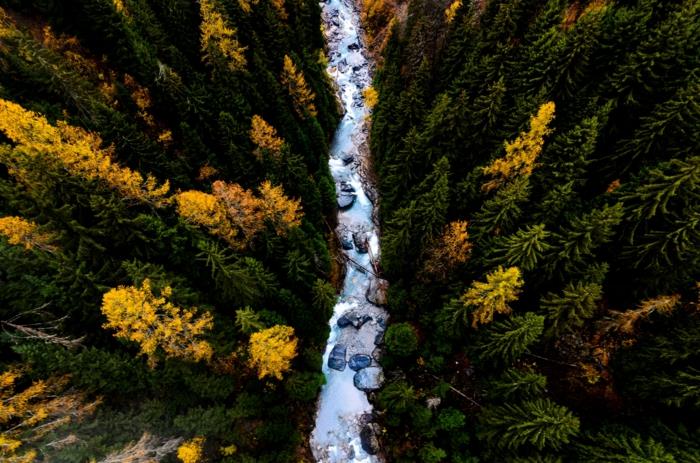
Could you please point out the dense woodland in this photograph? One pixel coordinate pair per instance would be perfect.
(165, 203)
(166, 213)
(539, 173)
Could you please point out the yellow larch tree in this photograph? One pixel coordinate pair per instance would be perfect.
(371, 97)
(34, 411)
(453, 248)
(191, 451)
(491, 297)
(302, 96)
(154, 323)
(282, 212)
(76, 150)
(218, 39)
(272, 351)
(19, 231)
(278, 5)
(264, 137)
(451, 11)
(242, 209)
(521, 153)
(236, 214)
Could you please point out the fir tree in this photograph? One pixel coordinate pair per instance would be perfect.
(507, 340)
(569, 310)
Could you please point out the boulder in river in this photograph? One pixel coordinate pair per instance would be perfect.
(346, 187)
(345, 200)
(336, 359)
(361, 240)
(354, 46)
(344, 321)
(361, 320)
(347, 158)
(376, 292)
(369, 439)
(359, 361)
(368, 379)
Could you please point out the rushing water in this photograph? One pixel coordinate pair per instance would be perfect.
(343, 409)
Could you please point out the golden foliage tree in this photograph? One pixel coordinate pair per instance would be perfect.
(34, 411)
(450, 250)
(237, 215)
(19, 231)
(154, 323)
(487, 299)
(522, 153)
(302, 96)
(72, 148)
(272, 350)
(626, 322)
(281, 212)
(264, 136)
(451, 11)
(191, 450)
(218, 39)
(371, 97)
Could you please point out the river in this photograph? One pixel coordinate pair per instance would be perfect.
(357, 325)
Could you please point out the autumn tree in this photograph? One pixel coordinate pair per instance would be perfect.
(19, 231)
(218, 40)
(72, 148)
(522, 153)
(451, 10)
(272, 351)
(156, 324)
(627, 321)
(299, 91)
(28, 413)
(191, 450)
(264, 137)
(236, 215)
(452, 249)
(485, 299)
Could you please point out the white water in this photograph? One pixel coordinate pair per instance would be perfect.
(341, 406)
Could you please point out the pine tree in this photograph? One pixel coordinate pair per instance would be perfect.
(507, 340)
(523, 249)
(584, 234)
(500, 213)
(518, 384)
(621, 445)
(538, 423)
(570, 309)
(272, 351)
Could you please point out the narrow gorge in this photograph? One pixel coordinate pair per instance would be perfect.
(344, 431)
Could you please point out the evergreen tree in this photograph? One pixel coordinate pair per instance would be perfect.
(523, 249)
(507, 340)
(570, 309)
(518, 384)
(538, 423)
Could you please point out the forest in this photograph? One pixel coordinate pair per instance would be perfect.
(164, 203)
(539, 180)
(168, 253)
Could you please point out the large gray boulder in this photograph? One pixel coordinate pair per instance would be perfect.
(368, 379)
(377, 290)
(369, 439)
(359, 361)
(346, 200)
(361, 241)
(336, 359)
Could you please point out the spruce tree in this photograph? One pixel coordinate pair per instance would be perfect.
(518, 384)
(507, 340)
(523, 249)
(540, 423)
(570, 308)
